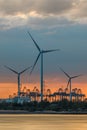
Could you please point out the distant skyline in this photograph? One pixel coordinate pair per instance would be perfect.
(61, 25)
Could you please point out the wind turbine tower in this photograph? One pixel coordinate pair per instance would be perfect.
(18, 76)
(70, 81)
(41, 52)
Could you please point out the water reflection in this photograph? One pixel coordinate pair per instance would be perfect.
(43, 122)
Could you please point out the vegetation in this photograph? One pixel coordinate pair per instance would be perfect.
(58, 106)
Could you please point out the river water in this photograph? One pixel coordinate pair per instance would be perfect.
(43, 122)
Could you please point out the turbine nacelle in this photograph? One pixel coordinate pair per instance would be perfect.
(41, 52)
(69, 77)
(18, 74)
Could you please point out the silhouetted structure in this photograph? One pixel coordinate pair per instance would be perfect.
(41, 52)
(70, 81)
(18, 76)
(59, 95)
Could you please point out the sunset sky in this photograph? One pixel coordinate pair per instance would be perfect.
(54, 24)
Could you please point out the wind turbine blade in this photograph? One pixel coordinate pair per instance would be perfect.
(25, 70)
(64, 72)
(34, 41)
(68, 83)
(47, 51)
(35, 63)
(76, 76)
(11, 69)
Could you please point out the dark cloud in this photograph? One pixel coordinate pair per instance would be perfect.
(54, 6)
(46, 7)
(41, 13)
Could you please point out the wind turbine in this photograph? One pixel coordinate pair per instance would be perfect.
(41, 52)
(70, 81)
(18, 76)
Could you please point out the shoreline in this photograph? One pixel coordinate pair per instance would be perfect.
(40, 112)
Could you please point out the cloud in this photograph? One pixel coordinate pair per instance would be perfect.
(11, 22)
(42, 13)
(48, 22)
(44, 7)
(53, 6)
(81, 9)
(79, 13)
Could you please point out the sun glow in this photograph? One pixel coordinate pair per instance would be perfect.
(7, 89)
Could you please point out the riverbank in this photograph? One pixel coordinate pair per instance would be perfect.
(40, 112)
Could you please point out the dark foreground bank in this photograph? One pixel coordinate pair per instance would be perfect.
(40, 112)
(45, 107)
